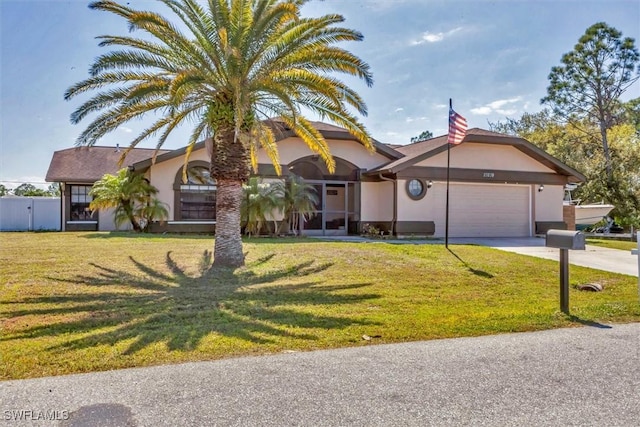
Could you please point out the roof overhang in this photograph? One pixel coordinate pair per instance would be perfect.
(440, 145)
(280, 134)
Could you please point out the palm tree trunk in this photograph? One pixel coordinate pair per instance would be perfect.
(126, 206)
(227, 250)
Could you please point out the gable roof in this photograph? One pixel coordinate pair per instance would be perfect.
(89, 164)
(281, 132)
(418, 151)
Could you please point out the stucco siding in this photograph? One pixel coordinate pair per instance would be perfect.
(377, 201)
(486, 157)
(417, 210)
(162, 176)
(548, 203)
(292, 149)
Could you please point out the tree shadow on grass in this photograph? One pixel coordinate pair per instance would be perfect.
(480, 273)
(143, 306)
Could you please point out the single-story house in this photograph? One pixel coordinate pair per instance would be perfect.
(500, 185)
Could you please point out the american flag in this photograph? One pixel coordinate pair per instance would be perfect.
(457, 127)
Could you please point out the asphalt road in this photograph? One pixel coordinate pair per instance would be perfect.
(587, 376)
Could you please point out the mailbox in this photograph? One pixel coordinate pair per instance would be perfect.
(565, 239)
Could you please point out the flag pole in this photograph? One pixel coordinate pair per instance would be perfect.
(446, 220)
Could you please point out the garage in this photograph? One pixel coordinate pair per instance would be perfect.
(484, 210)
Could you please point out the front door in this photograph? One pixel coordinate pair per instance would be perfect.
(331, 218)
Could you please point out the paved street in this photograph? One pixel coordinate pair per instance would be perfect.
(588, 376)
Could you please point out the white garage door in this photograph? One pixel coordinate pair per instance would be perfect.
(481, 210)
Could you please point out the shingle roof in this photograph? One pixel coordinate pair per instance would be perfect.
(327, 130)
(89, 164)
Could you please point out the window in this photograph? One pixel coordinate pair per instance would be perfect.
(415, 189)
(80, 200)
(198, 195)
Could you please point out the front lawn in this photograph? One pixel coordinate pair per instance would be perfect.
(624, 245)
(79, 302)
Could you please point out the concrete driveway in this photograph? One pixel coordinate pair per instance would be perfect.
(613, 260)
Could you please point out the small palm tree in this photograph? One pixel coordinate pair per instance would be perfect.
(152, 210)
(260, 200)
(224, 67)
(299, 204)
(131, 197)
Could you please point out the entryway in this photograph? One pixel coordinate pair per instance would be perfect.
(336, 209)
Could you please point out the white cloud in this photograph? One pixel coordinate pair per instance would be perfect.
(399, 78)
(416, 119)
(429, 37)
(481, 110)
(502, 102)
(125, 129)
(497, 107)
(397, 110)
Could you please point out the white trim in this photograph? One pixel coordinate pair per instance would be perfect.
(82, 222)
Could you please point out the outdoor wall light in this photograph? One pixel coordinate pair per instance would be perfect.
(541, 188)
(429, 184)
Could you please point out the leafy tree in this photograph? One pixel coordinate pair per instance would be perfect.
(29, 190)
(131, 197)
(300, 201)
(422, 137)
(54, 190)
(3, 190)
(223, 68)
(589, 83)
(583, 152)
(260, 200)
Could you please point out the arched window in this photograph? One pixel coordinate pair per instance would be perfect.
(196, 198)
(313, 168)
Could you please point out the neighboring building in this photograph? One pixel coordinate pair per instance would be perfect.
(499, 185)
(77, 169)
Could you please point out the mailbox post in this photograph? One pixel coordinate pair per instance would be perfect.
(565, 240)
(637, 252)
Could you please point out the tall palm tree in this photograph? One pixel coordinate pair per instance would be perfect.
(226, 66)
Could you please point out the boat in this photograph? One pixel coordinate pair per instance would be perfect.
(586, 214)
(590, 214)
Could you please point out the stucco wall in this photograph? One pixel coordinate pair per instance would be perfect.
(548, 203)
(292, 149)
(377, 201)
(417, 210)
(162, 175)
(486, 157)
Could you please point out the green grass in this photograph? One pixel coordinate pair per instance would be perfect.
(624, 245)
(80, 302)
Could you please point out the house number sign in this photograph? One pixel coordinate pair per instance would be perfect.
(488, 175)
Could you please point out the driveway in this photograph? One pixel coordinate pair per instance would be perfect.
(613, 260)
(586, 376)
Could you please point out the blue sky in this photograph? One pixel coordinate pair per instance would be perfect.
(491, 57)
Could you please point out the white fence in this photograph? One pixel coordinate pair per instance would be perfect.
(29, 213)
